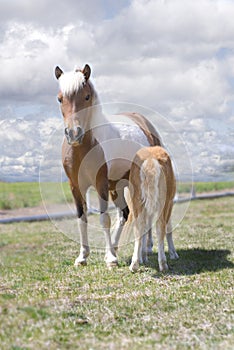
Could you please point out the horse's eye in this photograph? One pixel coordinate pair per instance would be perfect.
(60, 98)
(87, 97)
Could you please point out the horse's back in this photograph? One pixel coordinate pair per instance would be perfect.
(128, 133)
(135, 126)
(147, 127)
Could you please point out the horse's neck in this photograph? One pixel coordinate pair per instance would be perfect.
(101, 127)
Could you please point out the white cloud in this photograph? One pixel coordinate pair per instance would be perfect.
(197, 124)
(52, 13)
(175, 56)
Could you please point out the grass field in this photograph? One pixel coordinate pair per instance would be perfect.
(27, 194)
(47, 303)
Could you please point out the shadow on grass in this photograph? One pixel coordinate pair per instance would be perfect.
(195, 261)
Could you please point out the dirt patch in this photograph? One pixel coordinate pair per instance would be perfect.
(35, 211)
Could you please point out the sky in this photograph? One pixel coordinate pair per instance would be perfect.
(175, 57)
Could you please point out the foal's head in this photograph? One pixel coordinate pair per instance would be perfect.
(76, 94)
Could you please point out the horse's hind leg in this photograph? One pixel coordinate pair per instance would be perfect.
(150, 242)
(118, 228)
(110, 256)
(123, 212)
(105, 221)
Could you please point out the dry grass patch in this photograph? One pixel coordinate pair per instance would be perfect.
(46, 303)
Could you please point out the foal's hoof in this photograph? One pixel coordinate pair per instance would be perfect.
(112, 265)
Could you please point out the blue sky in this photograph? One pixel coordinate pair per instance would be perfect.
(173, 56)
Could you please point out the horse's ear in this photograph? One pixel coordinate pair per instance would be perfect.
(58, 72)
(86, 71)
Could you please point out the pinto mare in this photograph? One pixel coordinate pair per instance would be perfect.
(97, 151)
(152, 189)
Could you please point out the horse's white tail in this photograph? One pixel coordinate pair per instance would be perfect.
(150, 173)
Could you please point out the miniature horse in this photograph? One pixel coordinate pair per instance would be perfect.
(152, 188)
(97, 151)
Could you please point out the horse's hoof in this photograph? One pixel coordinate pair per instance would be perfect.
(145, 259)
(164, 267)
(80, 263)
(174, 255)
(150, 251)
(134, 267)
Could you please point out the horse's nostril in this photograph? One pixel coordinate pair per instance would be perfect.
(74, 135)
(79, 131)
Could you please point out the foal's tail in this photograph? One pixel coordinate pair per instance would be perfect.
(146, 204)
(150, 173)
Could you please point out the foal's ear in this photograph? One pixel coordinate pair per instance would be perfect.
(58, 72)
(86, 71)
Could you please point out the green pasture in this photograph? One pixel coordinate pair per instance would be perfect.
(201, 187)
(47, 303)
(27, 194)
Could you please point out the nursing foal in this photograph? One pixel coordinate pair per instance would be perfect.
(151, 192)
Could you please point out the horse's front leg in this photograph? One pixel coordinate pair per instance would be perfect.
(82, 227)
(110, 256)
(105, 221)
(84, 245)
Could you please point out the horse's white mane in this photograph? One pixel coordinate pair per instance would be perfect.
(71, 82)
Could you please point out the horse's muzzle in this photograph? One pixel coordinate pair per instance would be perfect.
(74, 136)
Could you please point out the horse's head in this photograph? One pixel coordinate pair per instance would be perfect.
(76, 95)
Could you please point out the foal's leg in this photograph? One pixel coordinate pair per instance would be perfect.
(161, 231)
(141, 225)
(171, 247)
(144, 249)
(147, 241)
(136, 257)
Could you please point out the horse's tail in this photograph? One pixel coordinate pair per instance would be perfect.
(150, 173)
